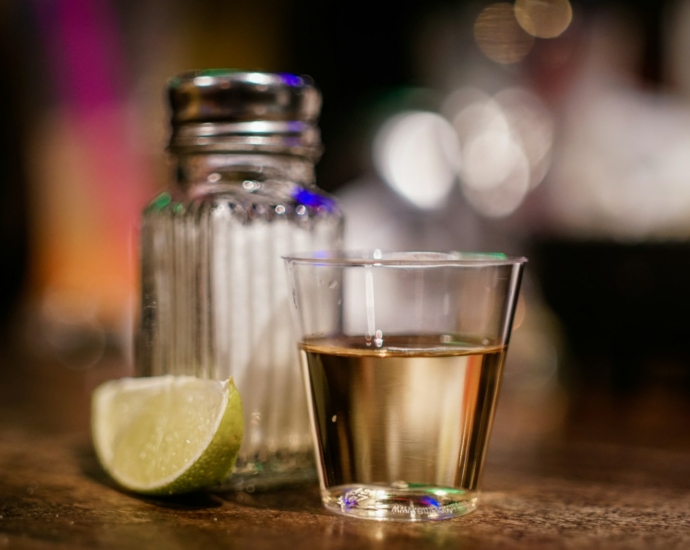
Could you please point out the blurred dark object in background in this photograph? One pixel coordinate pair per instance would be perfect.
(624, 308)
(13, 186)
(357, 52)
(597, 113)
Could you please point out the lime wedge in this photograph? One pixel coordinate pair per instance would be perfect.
(167, 434)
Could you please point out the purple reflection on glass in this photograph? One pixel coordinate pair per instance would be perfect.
(291, 79)
(428, 501)
(313, 200)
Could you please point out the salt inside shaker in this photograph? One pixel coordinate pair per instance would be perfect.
(214, 301)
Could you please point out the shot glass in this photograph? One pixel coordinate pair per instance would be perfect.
(402, 356)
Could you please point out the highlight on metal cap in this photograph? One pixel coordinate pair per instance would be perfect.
(228, 110)
(216, 95)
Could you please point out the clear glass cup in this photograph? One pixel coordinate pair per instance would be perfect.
(402, 356)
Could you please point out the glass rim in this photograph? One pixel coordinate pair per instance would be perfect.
(382, 258)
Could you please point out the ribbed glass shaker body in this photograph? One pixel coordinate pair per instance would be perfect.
(214, 295)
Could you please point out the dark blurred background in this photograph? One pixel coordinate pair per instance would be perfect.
(552, 128)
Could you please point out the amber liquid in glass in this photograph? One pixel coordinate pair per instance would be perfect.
(414, 412)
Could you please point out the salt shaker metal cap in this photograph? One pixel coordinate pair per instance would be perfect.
(238, 111)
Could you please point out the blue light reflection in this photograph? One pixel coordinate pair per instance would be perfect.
(313, 200)
(291, 79)
(429, 501)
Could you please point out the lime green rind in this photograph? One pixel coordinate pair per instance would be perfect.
(214, 461)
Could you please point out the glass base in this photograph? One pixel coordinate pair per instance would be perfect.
(411, 502)
(272, 472)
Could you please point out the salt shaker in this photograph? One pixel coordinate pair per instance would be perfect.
(214, 299)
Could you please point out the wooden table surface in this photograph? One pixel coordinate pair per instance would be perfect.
(599, 472)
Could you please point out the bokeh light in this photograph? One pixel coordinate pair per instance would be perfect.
(532, 124)
(543, 18)
(623, 167)
(506, 145)
(417, 154)
(491, 153)
(499, 35)
(504, 198)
